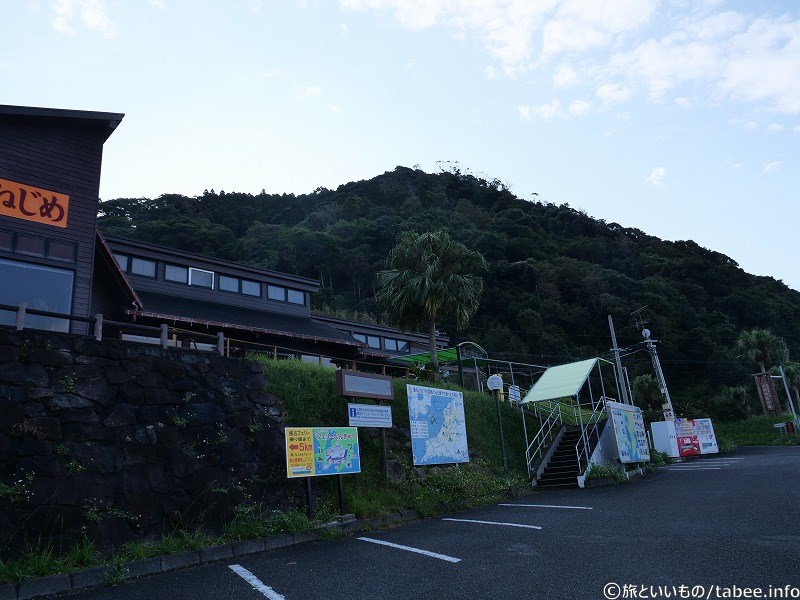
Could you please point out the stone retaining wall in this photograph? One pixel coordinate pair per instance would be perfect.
(119, 441)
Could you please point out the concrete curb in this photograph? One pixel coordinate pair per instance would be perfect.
(96, 576)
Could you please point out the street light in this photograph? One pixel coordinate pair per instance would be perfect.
(495, 383)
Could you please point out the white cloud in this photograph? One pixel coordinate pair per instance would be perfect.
(310, 91)
(613, 93)
(737, 166)
(772, 167)
(683, 102)
(775, 128)
(344, 29)
(91, 13)
(750, 126)
(579, 108)
(565, 77)
(158, 4)
(796, 129)
(656, 178)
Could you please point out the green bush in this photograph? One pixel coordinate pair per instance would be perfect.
(606, 471)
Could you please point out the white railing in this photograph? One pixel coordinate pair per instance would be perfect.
(583, 448)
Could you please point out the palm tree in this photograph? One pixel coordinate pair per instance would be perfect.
(761, 346)
(428, 275)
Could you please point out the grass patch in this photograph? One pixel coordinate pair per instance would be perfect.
(41, 562)
(252, 521)
(755, 431)
(606, 471)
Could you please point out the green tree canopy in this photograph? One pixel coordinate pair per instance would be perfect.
(762, 346)
(426, 276)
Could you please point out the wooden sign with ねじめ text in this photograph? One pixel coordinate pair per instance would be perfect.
(33, 204)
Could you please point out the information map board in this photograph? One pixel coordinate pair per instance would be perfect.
(629, 432)
(438, 428)
(312, 451)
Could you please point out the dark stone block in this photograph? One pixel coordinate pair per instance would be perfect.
(263, 398)
(180, 561)
(137, 366)
(8, 354)
(87, 432)
(83, 372)
(81, 415)
(43, 586)
(268, 441)
(155, 414)
(205, 414)
(96, 459)
(57, 519)
(96, 390)
(139, 454)
(253, 366)
(120, 414)
(213, 383)
(131, 393)
(151, 379)
(10, 412)
(156, 479)
(146, 507)
(246, 547)
(117, 375)
(17, 373)
(30, 446)
(235, 370)
(170, 368)
(39, 393)
(278, 541)
(183, 385)
(215, 553)
(34, 409)
(239, 420)
(90, 577)
(158, 396)
(256, 381)
(218, 364)
(45, 428)
(8, 591)
(63, 401)
(170, 437)
(92, 348)
(49, 358)
(81, 359)
(42, 466)
(146, 435)
(140, 568)
(201, 368)
(181, 464)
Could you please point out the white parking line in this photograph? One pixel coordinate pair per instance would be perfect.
(549, 506)
(692, 468)
(257, 584)
(410, 549)
(493, 523)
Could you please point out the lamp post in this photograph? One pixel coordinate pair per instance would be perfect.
(495, 383)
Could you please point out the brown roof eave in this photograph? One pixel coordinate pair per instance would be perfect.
(175, 318)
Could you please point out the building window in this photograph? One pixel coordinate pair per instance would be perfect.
(176, 273)
(390, 344)
(297, 297)
(32, 246)
(251, 288)
(275, 292)
(373, 341)
(360, 337)
(145, 268)
(41, 288)
(201, 278)
(122, 261)
(228, 284)
(402, 346)
(6, 240)
(63, 251)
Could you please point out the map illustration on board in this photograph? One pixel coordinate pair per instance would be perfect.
(438, 428)
(336, 451)
(629, 431)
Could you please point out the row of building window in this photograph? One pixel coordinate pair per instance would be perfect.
(373, 341)
(31, 245)
(202, 278)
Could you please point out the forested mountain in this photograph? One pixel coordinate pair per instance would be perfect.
(555, 273)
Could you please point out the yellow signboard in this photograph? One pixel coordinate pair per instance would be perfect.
(313, 451)
(33, 204)
(299, 451)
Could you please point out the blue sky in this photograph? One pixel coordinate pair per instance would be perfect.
(680, 118)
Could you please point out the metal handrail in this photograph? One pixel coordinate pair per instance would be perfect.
(583, 446)
(543, 438)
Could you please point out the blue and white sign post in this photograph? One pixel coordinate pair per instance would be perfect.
(369, 415)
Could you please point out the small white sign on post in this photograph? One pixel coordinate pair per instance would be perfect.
(514, 394)
(369, 415)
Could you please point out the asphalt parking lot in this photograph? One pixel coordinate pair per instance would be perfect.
(718, 521)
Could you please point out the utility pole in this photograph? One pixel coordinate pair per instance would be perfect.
(620, 375)
(789, 396)
(669, 413)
